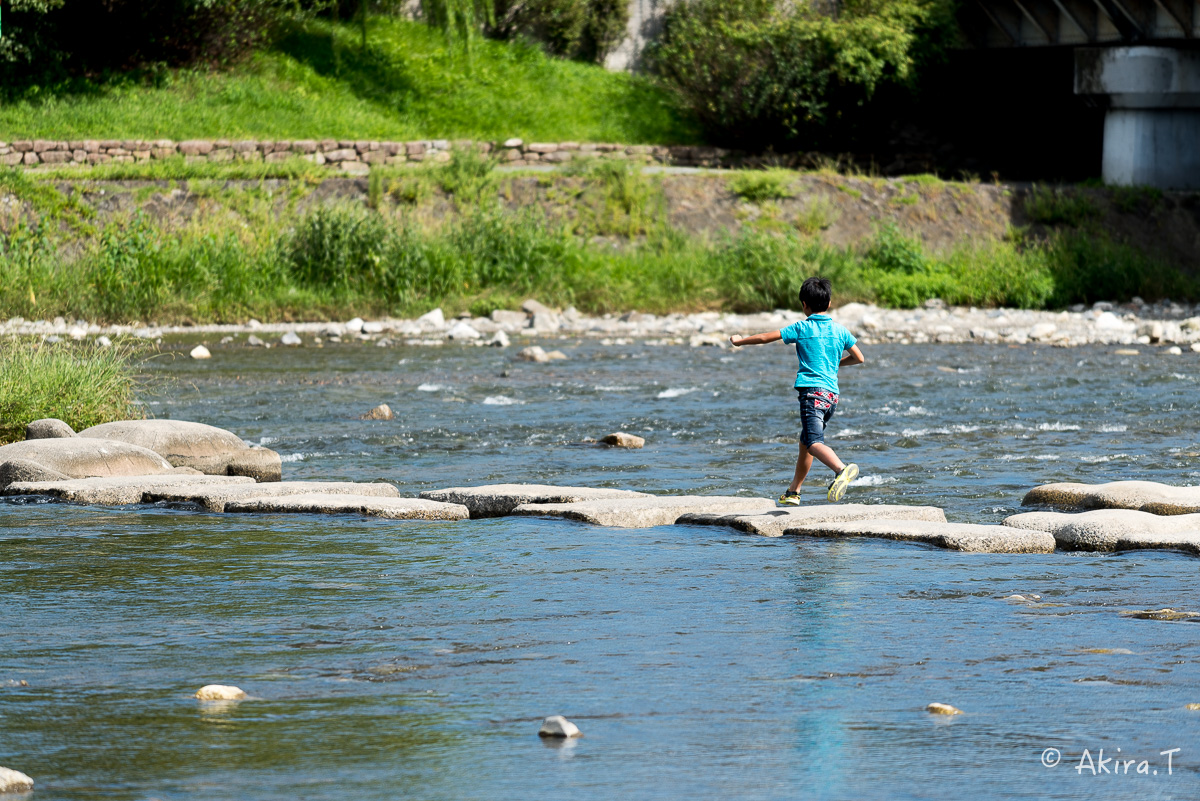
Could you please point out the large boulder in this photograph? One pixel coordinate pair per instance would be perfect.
(213, 451)
(77, 457)
(48, 428)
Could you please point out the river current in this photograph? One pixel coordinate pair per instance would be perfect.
(410, 659)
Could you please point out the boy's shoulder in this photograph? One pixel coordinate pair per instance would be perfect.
(811, 325)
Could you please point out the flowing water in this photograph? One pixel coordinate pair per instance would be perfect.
(411, 659)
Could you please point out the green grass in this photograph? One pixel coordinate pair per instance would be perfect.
(1059, 206)
(758, 186)
(408, 84)
(81, 385)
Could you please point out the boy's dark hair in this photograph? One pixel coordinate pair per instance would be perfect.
(815, 293)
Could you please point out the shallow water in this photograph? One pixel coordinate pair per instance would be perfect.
(416, 659)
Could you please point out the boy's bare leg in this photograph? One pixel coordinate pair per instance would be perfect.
(803, 465)
(827, 457)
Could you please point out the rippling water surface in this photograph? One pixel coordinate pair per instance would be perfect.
(415, 659)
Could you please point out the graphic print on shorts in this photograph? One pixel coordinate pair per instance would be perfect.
(822, 399)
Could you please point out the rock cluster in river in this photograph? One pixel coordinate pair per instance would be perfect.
(1172, 325)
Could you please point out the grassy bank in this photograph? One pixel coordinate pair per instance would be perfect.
(83, 386)
(316, 81)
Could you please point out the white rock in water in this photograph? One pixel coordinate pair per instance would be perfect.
(200, 352)
(463, 330)
(253, 324)
(1196, 347)
(372, 327)
(355, 326)
(1042, 331)
(380, 412)
(104, 342)
(220, 692)
(254, 341)
(558, 726)
(290, 338)
(14, 781)
(556, 356)
(434, 318)
(533, 354)
(942, 709)
(1175, 350)
(620, 439)
(499, 340)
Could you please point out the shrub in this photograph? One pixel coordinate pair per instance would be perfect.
(1058, 206)
(339, 248)
(585, 30)
(759, 186)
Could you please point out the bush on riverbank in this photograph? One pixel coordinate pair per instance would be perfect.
(81, 385)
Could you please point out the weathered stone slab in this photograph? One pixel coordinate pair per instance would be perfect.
(215, 497)
(777, 522)
(123, 490)
(82, 457)
(647, 511)
(497, 500)
(1146, 496)
(954, 536)
(206, 448)
(1115, 530)
(316, 503)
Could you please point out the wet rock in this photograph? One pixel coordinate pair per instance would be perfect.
(434, 319)
(1196, 347)
(778, 522)
(533, 354)
(290, 339)
(1125, 352)
(123, 490)
(215, 497)
(317, 503)
(254, 341)
(200, 352)
(380, 412)
(14, 781)
(942, 709)
(1146, 496)
(497, 500)
(220, 692)
(1114, 530)
(1174, 350)
(620, 439)
(558, 726)
(1160, 614)
(210, 450)
(463, 332)
(661, 510)
(1192, 707)
(81, 457)
(953, 536)
(48, 428)
(499, 340)
(556, 356)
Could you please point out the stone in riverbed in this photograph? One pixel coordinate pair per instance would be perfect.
(291, 339)
(533, 354)
(620, 439)
(1114, 530)
(121, 490)
(48, 428)
(497, 500)
(210, 450)
(558, 726)
(17, 470)
(79, 457)
(942, 709)
(215, 497)
(200, 352)
(967, 537)
(778, 522)
(1146, 496)
(220, 692)
(380, 412)
(317, 503)
(645, 512)
(14, 781)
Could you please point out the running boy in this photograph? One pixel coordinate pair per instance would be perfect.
(821, 346)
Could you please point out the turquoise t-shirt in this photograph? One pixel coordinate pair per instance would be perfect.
(820, 343)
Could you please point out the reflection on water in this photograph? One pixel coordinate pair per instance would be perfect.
(416, 659)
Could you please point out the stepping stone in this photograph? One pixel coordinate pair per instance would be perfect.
(646, 511)
(215, 498)
(125, 490)
(954, 536)
(1115, 530)
(497, 500)
(777, 522)
(316, 503)
(1146, 496)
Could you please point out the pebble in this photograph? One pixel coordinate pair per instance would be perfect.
(942, 709)
(533, 354)
(200, 352)
(620, 439)
(290, 338)
(254, 341)
(380, 412)
(14, 781)
(220, 692)
(558, 726)
(1175, 350)
(499, 340)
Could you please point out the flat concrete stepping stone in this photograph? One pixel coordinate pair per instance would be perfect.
(1115, 530)
(316, 503)
(968, 537)
(215, 498)
(125, 490)
(1146, 496)
(777, 522)
(497, 500)
(646, 511)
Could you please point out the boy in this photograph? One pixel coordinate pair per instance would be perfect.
(820, 345)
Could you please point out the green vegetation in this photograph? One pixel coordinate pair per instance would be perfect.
(760, 186)
(1059, 206)
(316, 81)
(81, 385)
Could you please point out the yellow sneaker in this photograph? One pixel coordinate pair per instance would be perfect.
(838, 488)
(789, 499)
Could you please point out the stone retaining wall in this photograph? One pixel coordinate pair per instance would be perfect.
(357, 156)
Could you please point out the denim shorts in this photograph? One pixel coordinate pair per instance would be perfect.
(816, 407)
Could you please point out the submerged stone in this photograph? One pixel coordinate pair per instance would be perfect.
(942, 709)
(620, 439)
(380, 412)
(497, 500)
(1115, 529)
(1146, 496)
(778, 522)
(220, 692)
(558, 726)
(215, 497)
(967, 537)
(645, 512)
(318, 503)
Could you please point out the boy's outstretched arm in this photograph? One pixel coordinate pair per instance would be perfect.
(756, 339)
(854, 356)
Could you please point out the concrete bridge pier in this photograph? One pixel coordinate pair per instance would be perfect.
(1152, 126)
